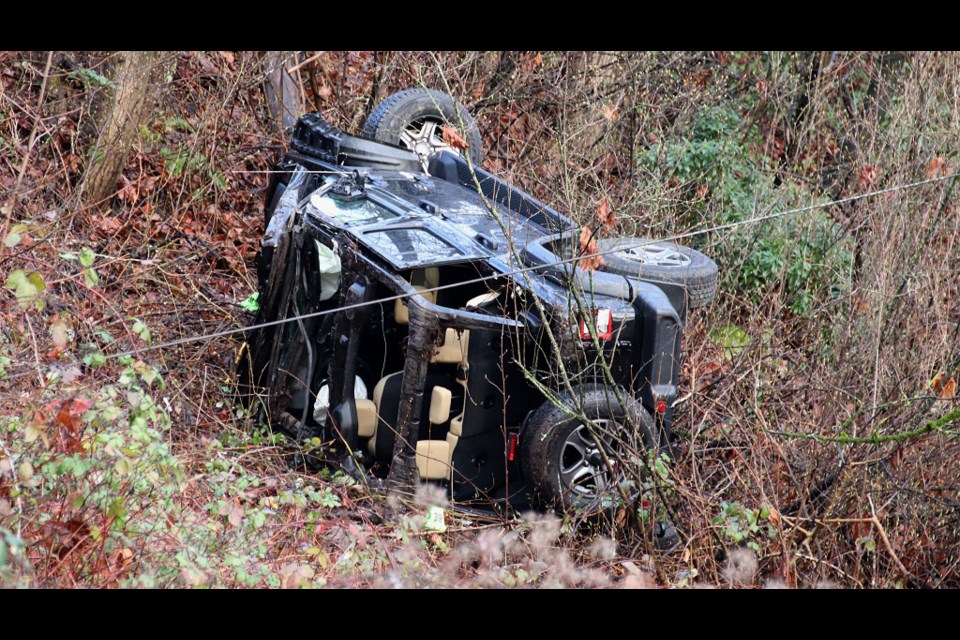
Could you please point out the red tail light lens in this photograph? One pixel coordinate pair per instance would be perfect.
(604, 324)
(512, 447)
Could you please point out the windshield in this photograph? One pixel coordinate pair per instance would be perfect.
(411, 245)
(351, 212)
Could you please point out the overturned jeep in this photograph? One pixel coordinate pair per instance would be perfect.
(434, 322)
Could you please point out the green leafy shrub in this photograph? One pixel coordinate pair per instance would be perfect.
(741, 525)
(722, 178)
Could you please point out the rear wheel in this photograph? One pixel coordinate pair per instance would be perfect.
(590, 467)
(414, 119)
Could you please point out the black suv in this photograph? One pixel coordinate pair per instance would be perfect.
(434, 322)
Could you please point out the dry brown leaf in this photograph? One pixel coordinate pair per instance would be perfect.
(761, 87)
(937, 382)
(605, 215)
(620, 518)
(68, 428)
(194, 577)
(949, 389)
(79, 405)
(936, 168)
(774, 516)
(60, 333)
(453, 138)
(592, 259)
(610, 113)
(586, 237)
(233, 511)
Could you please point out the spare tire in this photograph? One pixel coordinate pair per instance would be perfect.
(412, 119)
(662, 261)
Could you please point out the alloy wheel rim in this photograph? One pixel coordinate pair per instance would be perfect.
(424, 137)
(655, 254)
(583, 470)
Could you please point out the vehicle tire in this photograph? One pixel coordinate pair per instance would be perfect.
(564, 466)
(663, 261)
(411, 119)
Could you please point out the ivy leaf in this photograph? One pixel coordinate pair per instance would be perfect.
(732, 338)
(94, 359)
(15, 279)
(86, 256)
(13, 238)
(141, 330)
(91, 277)
(27, 288)
(122, 466)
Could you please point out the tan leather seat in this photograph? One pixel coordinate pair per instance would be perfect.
(434, 456)
(401, 312)
(366, 417)
(453, 349)
(377, 397)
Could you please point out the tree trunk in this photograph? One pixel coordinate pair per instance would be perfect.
(282, 90)
(132, 105)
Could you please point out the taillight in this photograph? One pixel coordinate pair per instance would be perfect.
(604, 324)
(512, 447)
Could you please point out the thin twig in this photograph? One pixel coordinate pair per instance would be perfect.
(886, 541)
(301, 65)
